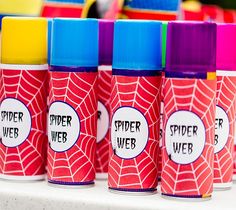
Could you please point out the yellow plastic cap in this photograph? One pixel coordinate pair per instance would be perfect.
(24, 40)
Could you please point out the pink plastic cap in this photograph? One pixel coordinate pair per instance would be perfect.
(226, 47)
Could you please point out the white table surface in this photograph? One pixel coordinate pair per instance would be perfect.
(40, 196)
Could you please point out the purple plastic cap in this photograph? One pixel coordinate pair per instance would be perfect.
(106, 32)
(191, 48)
(226, 47)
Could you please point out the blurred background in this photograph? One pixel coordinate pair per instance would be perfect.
(200, 10)
(223, 3)
(220, 11)
(37, 7)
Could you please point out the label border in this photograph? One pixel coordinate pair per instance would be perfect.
(49, 144)
(103, 138)
(228, 131)
(204, 141)
(30, 121)
(147, 137)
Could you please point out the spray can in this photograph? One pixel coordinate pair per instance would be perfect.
(73, 102)
(106, 30)
(189, 111)
(164, 39)
(135, 105)
(24, 79)
(234, 155)
(225, 106)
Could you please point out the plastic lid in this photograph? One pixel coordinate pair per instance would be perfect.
(172, 5)
(24, 40)
(226, 47)
(49, 39)
(164, 39)
(74, 42)
(191, 47)
(137, 45)
(106, 32)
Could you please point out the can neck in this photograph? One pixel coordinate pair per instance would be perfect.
(191, 75)
(23, 67)
(135, 73)
(73, 69)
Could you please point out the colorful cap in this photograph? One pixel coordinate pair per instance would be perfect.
(49, 39)
(74, 42)
(19, 7)
(24, 40)
(164, 39)
(191, 48)
(137, 45)
(172, 5)
(226, 47)
(106, 32)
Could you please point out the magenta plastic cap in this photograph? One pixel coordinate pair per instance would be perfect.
(191, 48)
(226, 47)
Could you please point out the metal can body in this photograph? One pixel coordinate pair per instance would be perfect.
(188, 150)
(135, 124)
(23, 121)
(103, 131)
(234, 156)
(72, 128)
(234, 170)
(224, 125)
(161, 129)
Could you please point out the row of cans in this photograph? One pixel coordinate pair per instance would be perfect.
(109, 93)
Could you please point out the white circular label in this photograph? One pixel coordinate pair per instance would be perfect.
(185, 137)
(129, 132)
(63, 127)
(15, 122)
(103, 122)
(221, 129)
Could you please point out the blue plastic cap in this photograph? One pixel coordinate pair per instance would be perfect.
(49, 39)
(137, 45)
(165, 5)
(74, 42)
